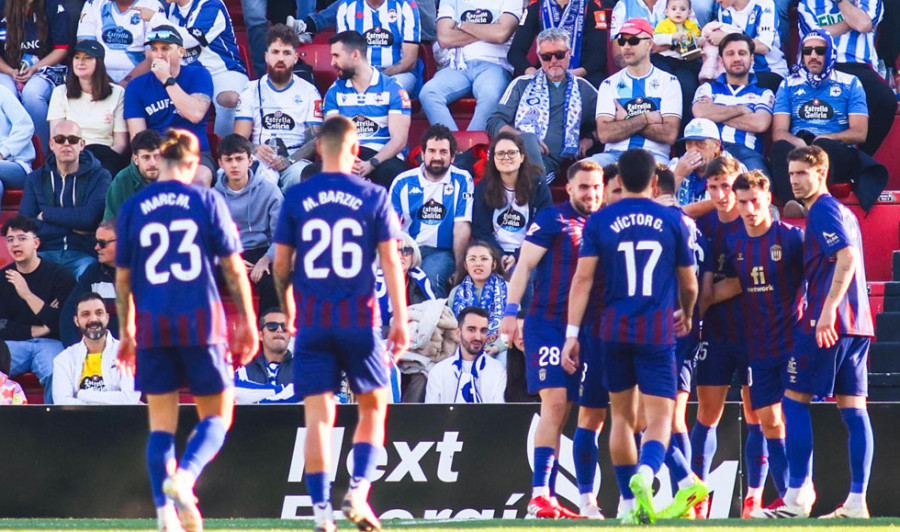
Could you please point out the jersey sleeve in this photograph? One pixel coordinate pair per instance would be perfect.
(313, 106)
(671, 100)
(618, 18)
(448, 9)
(684, 255)
(590, 239)
(766, 33)
(286, 227)
(57, 106)
(513, 7)
(544, 229)
(87, 23)
(225, 238)
(400, 102)
(246, 101)
(387, 223)
(59, 24)
(703, 91)
(464, 200)
(827, 226)
(331, 106)
(200, 82)
(133, 106)
(782, 100)
(342, 22)
(119, 124)
(766, 102)
(857, 104)
(211, 21)
(873, 8)
(412, 25)
(606, 99)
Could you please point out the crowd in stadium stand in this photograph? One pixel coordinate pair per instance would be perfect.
(86, 88)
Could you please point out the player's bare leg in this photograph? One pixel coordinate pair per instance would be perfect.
(590, 423)
(319, 415)
(555, 409)
(163, 417)
(861, 442)
(368, 442)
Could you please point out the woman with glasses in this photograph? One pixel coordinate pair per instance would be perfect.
(90, 98)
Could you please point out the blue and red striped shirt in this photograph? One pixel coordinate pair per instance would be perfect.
(724, 321)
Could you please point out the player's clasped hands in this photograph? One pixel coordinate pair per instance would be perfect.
(570, 352)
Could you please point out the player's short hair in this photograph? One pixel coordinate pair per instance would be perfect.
(734, 37)
(179, 146)
(22, 223)
(722, 166)
(147, 139)
(440, 132)
(235, 143)
(263, 314)
(584, 165)
(752, 179)
(636, 169)
(811, 155)
(351, 40)
(333, 134)
(610, 172)
(88, 296)
(108, 225)
(665, 179)
(478, 311)
(280, 32)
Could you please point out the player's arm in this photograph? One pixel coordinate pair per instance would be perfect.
(687, 294)
(246, 338)
(847, 261)
(281, 275)
(529, 256)
(389, 258)
(712, 293)
(125, 311)
(579, 293)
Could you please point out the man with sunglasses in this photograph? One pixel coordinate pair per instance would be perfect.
(640, 106)
(269, 377)
(550, 108)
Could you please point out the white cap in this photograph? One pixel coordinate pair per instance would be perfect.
(701, 129)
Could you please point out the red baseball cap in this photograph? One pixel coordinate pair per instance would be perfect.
(636, 26)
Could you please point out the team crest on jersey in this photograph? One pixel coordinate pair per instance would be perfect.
(654, 83)
(392, 15)
(448, 188)
(752, 19)
(135, 19)
(775, 253)
(835, 91)
(740, 255)
(542, 374)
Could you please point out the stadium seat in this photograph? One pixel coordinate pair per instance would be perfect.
(888, 154)
(318, 56)
(467, 139)
(426, 54)
(12, 199)
(5, 257)
(38, 153)
(244, 50)
(880, 231)
(323, 36)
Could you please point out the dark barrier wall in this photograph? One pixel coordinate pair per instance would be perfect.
(442, 462)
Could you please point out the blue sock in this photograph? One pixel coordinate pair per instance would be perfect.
(778, 467)
(679, 468)
(551, 482)
(798, 425)
(623, 477)
(543, 463)
(757, 457)
(160, 449)
(319, 487)
(704, 442)
(585, 454)
(364, 456)
(682, 442)
(208, 437)
(653, 452)
(861, 445)
(638, 438)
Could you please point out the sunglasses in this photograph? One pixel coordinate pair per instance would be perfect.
(159, 35)
(633, 41)
(273, 326)
(819, 50)
(558, 55)
(406, 252)
(71, 139)
(103, 243)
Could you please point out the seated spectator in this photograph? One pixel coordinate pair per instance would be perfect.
(308, 22)
(280, 113)
(143, 170)
(507, 197)
(471, 376)
(85, 373)
(269, 377)
(552, 108)
(34, 41)
(66, 197)
(379, 108)
(612, 184)
(418, 287)
(29, 303)
(11, 393)
(484, 286)
(434, 202)
(824, 106)
(99, 278)
(676, 41)
(254, 204)
(16, 148)
(583, 20)
(477, 34)
(740, 108)
(639, 106)
(652, 11)
(90, 99)
(852, 26)
(120, 28)
(172, 96)
(702, 145)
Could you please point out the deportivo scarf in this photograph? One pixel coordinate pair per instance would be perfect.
(571, 19)
(533, 113)
(493, 300)
(830, 59)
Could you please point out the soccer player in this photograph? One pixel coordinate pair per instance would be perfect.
(643, 251)
(551, 248)
(335, 222)
(831, 349)
(172, 322)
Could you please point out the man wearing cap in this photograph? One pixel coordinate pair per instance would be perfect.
(702, 145)
(117, 25)
(639, 106)
(171, 95)
(823, 106)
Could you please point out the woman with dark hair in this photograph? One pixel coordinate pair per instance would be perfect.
(90, 99)
(508, 197)
(34, 40)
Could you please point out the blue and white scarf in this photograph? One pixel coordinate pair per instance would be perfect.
(493, 300)
(570, 19)
(467, 383)
(533, 113)
(830, 59)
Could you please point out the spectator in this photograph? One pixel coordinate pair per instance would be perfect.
(16, 148)
(90, 99)
(652, 11)
(418, 287)
(172, 96)
(484, 286)
(30, 300)
(824, 106)
(852, 27)
(586, 24)
(676, 43)
(434, 202)
(508, 197)
(254, 204)
(281, 113)
(34, 40)
(99, 278)
(11, 393)
(307, 23)
(86, 373)
(66, 196)
(477, 35)
(143, 170)
(269, 377)
(121, 30)
(740, 108)
(612, 184)
(379, 108)
(551, 108)
(702, 145)
(471, 376)
(640, 106)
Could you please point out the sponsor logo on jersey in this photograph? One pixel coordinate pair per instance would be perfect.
(379, 37)
(775, 253)
(600, 20)
(511, 220)
(117, 37)
(816, 109)
(639, 106)
(533, 229)
(830, 238)
(477, 16)
(278, 121)
(404, 99)
(365, 127)
(432, 212)
(319, 109)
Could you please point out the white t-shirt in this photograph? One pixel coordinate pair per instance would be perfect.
(482, 12)
(98, 120)
(121, 34)
(281, 115)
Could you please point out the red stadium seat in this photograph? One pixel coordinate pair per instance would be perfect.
(888, 154)
(880, 232)
(318, 56)
(244, 50)
(38, 153)
(12, 199)
(5, 257)
(468, 139)
(426, 54)
(323, 36)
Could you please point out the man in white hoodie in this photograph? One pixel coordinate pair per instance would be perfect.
(85, 373)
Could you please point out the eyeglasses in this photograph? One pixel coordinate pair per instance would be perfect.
(633, 41)
(273, 326)
(819, 50)
(103, 243)
(406, 252)
(71, 139)
(19, 238)
(558, 55)
(511, 154)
